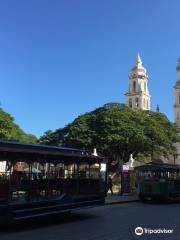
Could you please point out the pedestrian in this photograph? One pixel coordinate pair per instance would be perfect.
(110, 184)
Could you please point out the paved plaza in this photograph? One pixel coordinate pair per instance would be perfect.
(111, 222)
(116, 198)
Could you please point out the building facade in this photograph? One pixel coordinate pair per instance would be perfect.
(176, 159)
(138, 96)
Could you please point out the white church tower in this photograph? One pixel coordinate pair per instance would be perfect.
(177, 98)
(138, 96)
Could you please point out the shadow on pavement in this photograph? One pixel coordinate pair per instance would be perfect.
(43, 222)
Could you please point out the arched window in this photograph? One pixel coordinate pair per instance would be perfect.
(137, 102)
(130, 102)
(134, 86)
(147, 104)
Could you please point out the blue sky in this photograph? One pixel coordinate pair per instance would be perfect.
(59, 59)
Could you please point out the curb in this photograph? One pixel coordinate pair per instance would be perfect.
(121, 202)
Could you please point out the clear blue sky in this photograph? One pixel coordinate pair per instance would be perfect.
(59, 59)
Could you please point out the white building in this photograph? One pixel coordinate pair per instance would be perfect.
(176, 159)
(138, 96)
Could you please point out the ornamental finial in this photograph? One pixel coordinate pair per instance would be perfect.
(178, 66)
(138, 60)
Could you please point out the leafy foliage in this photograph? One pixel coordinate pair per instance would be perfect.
(117, 131)
(11, 131)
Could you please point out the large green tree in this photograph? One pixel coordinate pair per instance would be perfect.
(117, 131)
(9, 130)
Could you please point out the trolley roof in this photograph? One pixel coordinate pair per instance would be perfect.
(16, 151)
(157, 167)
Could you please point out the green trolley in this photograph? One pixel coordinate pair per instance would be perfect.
(160, 182)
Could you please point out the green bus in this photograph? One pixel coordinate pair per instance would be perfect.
(159, 182)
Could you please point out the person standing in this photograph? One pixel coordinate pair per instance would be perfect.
(110, 184)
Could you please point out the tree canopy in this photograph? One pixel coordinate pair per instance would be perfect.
(118, 131)
(9, 130)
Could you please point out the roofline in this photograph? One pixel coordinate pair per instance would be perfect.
(158, 166)
(41, 145)
(11, 147)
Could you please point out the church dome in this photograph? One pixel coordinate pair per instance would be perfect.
(138, 70)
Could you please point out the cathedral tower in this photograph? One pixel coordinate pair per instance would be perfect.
(138, 95)
(177, 98)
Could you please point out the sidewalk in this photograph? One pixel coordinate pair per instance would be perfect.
(118, 199)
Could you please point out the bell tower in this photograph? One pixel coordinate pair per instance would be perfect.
(138, 96)
(177, 97)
